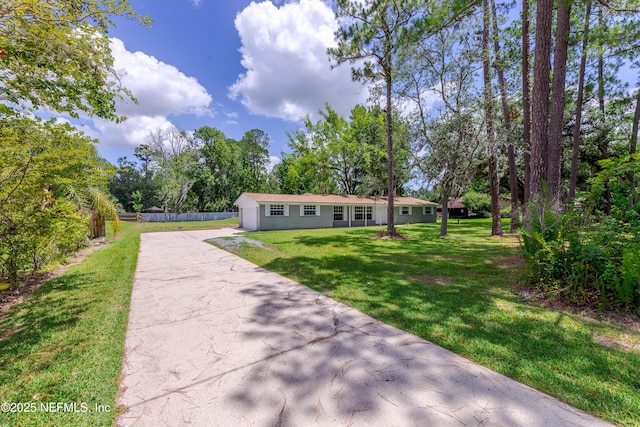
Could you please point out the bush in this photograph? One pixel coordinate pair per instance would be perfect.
(629, 291)
(478, 203)
(41, 237)
(585, 262)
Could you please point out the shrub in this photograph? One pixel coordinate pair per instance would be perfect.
(629, 290)
(41, 237)
(478, 203)
(585, 262)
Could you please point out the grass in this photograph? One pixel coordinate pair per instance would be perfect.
(65, 342)
(461, 292)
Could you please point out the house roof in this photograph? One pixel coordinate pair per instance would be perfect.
(329, 199)
(454, 204)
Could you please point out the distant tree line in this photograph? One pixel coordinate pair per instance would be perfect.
(199, 171)
(204, 170)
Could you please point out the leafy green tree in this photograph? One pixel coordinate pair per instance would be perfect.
(478, 203)
(135, 187)
(124, 183)
(336, 155)
(55, 55)
(255, 159)
(176, 160)
(375, 32)
(489, 119)
(50, 176)
(447, 141)
(223, 173)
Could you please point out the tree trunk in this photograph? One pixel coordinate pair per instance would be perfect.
(603, 123)
(496, 225)
(527, 179)
(445, 210)
(554, 150)
(576, 129)
(633, 144)
(526, 96)
(513, 173)
(526, 114)
(97, 225)
(540, 101)
(391, 228)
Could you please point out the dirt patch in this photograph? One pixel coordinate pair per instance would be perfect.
(448, 257)
(17, 294)
(232, 244)
(509, 262)
(617, 343)
(616, 316)
(433, 280)
(393, 236)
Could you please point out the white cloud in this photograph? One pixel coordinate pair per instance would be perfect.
(430, 99)
(161, 90)
(130, 133)
(288, 71)
(273, 160)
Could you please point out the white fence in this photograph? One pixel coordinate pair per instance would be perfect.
(189, 216)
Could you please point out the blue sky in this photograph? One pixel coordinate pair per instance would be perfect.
(234, 65)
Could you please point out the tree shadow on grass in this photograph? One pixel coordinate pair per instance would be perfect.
(29, 328)
(326, 363)
(518, 341)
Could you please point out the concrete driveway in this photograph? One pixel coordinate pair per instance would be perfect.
(214, 340)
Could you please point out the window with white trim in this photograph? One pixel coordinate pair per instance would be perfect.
(309, 210)
(276, 210)
(405, 210)
(426, 210)
(362, 212)
(338, 213)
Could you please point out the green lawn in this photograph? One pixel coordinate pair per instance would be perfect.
(460, 292)
(64, 344)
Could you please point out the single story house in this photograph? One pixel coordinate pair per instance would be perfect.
(259, 211)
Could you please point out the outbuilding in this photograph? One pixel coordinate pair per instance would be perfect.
(260, 211)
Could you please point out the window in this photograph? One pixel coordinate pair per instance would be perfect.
(309, 210)
(360, 212)
(426, 210)
(405, 210)
(276, 210)
(338, 213)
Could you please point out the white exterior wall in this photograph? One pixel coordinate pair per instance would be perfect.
(249, 218)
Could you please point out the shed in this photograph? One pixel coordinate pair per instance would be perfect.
(456, 209)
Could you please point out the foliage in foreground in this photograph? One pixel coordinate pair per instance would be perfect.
(49, 174)
(65, 343)
(587, 263)
(586, 256)
(459, 292)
